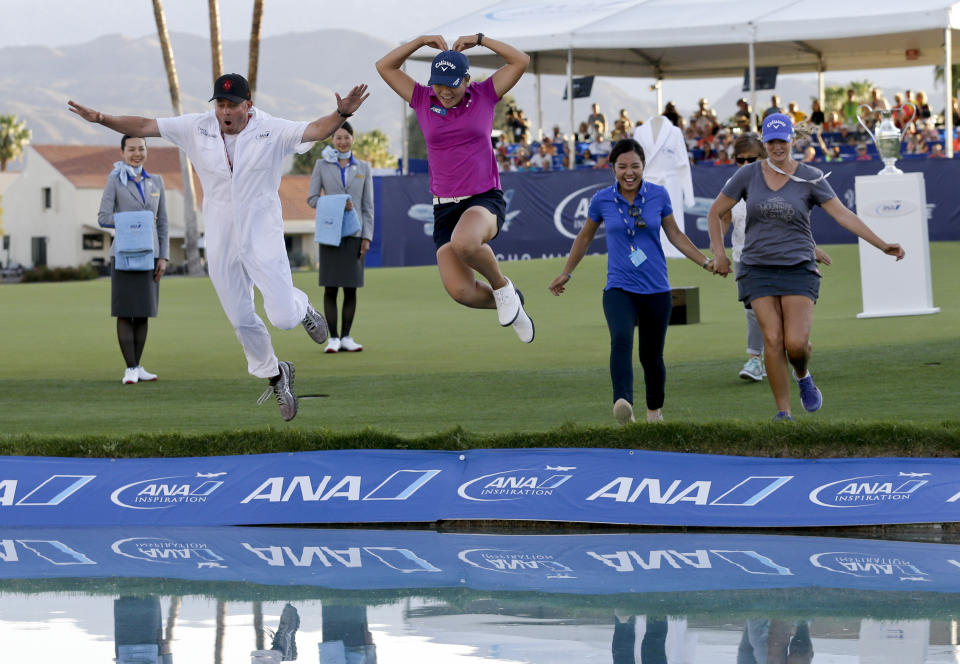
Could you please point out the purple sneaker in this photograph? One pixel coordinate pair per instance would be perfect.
(782, 416)
(810, 395)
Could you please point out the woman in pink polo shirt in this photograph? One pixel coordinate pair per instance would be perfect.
(456, 117)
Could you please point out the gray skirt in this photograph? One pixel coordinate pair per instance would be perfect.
(133, 294)
(341, 267)
(755, 281)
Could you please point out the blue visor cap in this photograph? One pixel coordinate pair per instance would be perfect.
(449, 68)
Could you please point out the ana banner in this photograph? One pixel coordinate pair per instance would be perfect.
(545, 211)
(381, 486)
(390, 559)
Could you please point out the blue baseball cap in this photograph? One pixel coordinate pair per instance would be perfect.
(777, 126)
(449, 68)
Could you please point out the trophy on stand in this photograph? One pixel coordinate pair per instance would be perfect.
(894, 208)
(886, 137)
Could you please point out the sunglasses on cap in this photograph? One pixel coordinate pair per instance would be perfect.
(746, 160)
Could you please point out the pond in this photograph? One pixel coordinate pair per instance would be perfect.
(350, 596)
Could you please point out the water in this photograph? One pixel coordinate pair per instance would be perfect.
(239, 595)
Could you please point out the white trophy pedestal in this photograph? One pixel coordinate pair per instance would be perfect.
(895, 208)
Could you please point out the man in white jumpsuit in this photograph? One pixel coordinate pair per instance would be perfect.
(238, 151)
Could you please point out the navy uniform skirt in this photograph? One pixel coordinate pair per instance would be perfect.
(341, 267)
(133, 294)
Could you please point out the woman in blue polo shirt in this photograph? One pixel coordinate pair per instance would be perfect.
(637, 293)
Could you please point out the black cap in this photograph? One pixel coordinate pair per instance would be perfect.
(233, 87)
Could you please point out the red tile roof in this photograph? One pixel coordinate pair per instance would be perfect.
(293, 196)
(87, 166)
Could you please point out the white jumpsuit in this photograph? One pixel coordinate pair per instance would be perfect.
(244, 223)
(668, 165)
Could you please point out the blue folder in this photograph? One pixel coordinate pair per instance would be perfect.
(333, 222)
(134, 240)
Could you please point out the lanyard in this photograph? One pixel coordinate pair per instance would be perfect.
(773, 167)
(631, 228)
(140, 189)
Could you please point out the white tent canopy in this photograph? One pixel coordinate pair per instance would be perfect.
(664, 39)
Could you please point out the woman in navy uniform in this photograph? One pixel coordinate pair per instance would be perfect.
(338, 172)
(135, 293)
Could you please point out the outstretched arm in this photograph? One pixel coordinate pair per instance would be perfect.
(579, 249)
(389, 66)
(680, 240)
(846, 218)
(130, 125)
(324, 127)
(507, 76)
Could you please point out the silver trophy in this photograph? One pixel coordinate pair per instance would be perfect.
(886, 137)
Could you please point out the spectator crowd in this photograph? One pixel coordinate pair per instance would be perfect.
(824, 134)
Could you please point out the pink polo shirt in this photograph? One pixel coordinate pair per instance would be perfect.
(459, 149)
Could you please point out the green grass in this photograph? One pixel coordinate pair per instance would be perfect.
(431, 366)
(711, 606)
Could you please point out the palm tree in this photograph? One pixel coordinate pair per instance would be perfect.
(218, 639)
(954, 77)
(216, 47)
(192, 248)
(255, 44)
(14, 137)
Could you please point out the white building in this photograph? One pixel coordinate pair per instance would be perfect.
(49, 209)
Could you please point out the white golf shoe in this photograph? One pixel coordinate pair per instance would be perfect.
(508, 303)
(145, 376)
(131, 376)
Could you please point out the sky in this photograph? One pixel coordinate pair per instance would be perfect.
(64, 22)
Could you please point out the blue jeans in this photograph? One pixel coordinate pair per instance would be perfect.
(650, 314)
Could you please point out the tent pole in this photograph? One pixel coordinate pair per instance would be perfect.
(539, 86)
(572, 142)
(753, 77)
(659, 87)
(404, 138)
(948, 93)
(821, 92)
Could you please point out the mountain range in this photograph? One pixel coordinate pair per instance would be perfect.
(299, 73)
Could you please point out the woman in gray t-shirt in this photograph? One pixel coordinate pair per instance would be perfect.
(778, 274)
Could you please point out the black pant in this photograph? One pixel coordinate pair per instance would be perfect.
(650, 314)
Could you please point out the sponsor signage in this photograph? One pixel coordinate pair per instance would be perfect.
(382, 486)
(545, 211)
(380, 559)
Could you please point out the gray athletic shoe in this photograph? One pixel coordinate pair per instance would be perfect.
(315, 325)
(282, 389)
(284, 639)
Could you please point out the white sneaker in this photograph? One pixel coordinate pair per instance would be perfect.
(144, 375)
(349, 345)
(654, 416)
(131, 376)
(508, 303)
(333, 345)
(623, 411)
(753, 369)
(523, 326)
